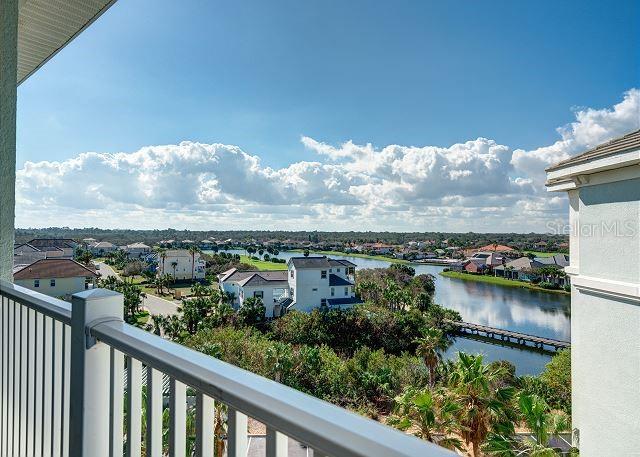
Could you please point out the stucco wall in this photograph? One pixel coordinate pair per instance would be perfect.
(605, 365)
(305, 281)
(63, 287)
(608, 222)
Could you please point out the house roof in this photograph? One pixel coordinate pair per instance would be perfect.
(310, 262)
(335, 280)
(52, 242)
(341, 262)
(45, 27)
(495, 248)
(137, 246)
(102, 244)
(628, 142)
(561, 260)
(264, 277)
(53, 268)
(31, 248)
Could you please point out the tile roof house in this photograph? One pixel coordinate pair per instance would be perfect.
(269, 286)
(55, 277)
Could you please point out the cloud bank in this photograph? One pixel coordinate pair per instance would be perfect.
(478, 185)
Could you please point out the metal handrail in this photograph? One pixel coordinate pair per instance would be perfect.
(321, 425)
(57, 309)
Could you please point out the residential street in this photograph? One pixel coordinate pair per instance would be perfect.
(154, 304)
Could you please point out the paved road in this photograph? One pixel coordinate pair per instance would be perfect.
(154, 304)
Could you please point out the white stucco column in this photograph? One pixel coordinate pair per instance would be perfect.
(8, 91)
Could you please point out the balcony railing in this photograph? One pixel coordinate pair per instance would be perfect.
(62, 371)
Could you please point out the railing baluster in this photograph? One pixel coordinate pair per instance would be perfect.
(134, 407)
(56, 388)
(237, 441)
(117, 402)
(277, 444)
(66, 384)
(12, 382)
(22, 373)
(31, 363)
(37, 385)
(154, 413)
(177, 419)
(204, 425)
(47, 380)
(3, 382)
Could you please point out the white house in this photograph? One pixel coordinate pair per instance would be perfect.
(269, 286)
(177, 263)
(321, 281)
(603, 185)
(55, 277)
(136, 249)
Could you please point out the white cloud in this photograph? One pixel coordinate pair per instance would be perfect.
(476, 185)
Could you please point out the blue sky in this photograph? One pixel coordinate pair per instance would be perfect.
(262, 75)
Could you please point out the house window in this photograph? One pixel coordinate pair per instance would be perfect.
(323, 302)
(293, 292)
(258, 294)
(330, 270)
(338, 270)
(323, 274)
(36, 283)
(333, 291)
(315, 289)
(293, 274)
(346, 291)
(52, 283)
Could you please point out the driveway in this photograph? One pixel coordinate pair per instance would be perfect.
(153, 303)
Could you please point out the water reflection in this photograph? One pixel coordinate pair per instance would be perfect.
(517, 309)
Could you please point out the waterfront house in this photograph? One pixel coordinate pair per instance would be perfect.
(316, 282)
(523, 269)
(269, 286)
(55, 277)
(603, 185)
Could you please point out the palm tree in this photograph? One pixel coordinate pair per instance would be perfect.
(193, 250)
(484, 403)
(430, 346)
(542, 422)
(174, 264)
(426, 412)
(162, 254)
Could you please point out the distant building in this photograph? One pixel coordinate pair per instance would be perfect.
(177, 264)
(55, 247)
(136, 250)
(268, 286)
(101, 248)
(320, 281)
(55, 277)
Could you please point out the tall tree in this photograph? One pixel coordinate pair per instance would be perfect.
(430, 347)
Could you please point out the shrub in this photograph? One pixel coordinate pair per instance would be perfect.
(549, 285)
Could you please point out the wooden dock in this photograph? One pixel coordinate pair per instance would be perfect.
(522, 339)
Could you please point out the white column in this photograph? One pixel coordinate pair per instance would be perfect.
(90, 373)
(8, 87)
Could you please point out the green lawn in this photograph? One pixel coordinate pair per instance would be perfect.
(498, 281)
(542, 254)
(356, 254)
(261, 264)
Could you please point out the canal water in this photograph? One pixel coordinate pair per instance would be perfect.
(511, 308)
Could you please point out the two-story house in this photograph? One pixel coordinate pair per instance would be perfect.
(180, 265)
(269, 286)
(321, 281)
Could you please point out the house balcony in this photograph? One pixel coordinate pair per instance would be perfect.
(76, 380)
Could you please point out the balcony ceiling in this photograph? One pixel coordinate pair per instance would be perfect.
(46, 26)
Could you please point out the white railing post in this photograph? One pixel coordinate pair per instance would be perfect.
(90, 373)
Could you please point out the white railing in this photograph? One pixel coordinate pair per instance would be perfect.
(62, 371)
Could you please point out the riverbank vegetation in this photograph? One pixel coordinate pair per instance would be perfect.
(384, 359)
(496, 280)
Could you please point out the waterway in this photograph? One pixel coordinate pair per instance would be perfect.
(517, 309)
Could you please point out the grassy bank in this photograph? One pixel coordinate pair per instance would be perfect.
(356, 254)
(498, 281)
(261, 264)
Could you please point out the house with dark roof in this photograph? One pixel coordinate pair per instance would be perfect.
(321, 282)
(54, 247)
(269, 286)
(55, 277)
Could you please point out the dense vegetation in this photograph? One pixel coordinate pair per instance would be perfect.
(124, 236)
